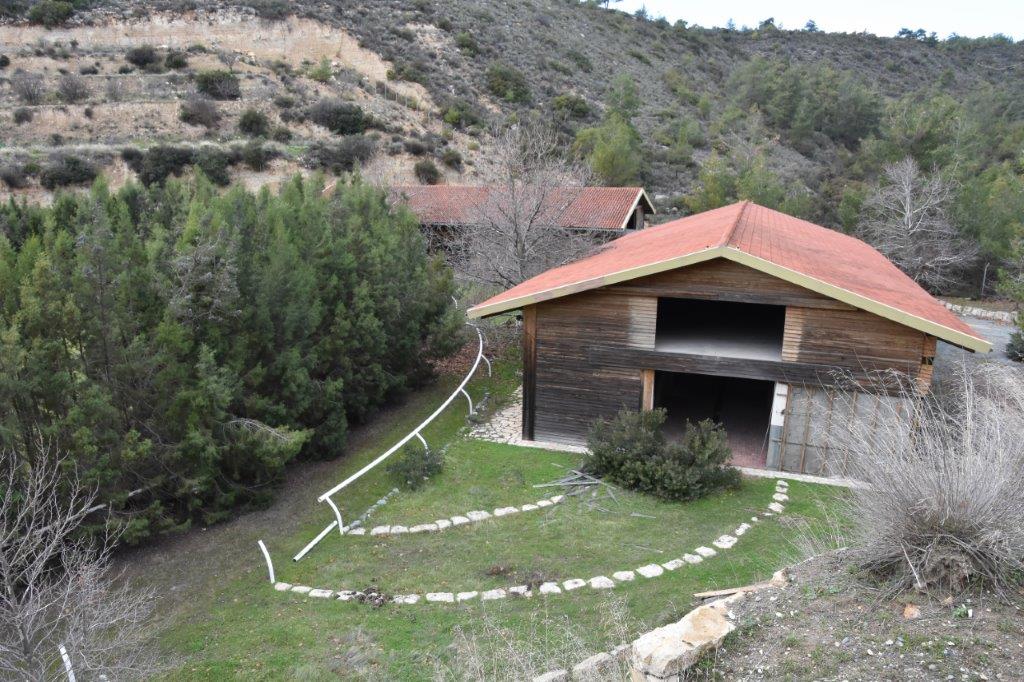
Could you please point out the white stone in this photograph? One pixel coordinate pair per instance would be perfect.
(624, 576)
(553, 676)
(650, 570)
(692, 558)
(505, 511)
(345, 595)
(478, 515)
(573, 584)
(321, 594)
(782, 483)
(666, 652)
(381, 530)
(780, 497)
(556, 499)
(724, 542)
(754, 519)
(493, 594)
(282, 587)
(423, 528)
(406, 598)
(301, 589)
(459, 520)
(595, 666)
(440, 597)
(550, 588)
(520, 590)
(674, 564)
(442, 524)
(399, 530)
(543, 503)
(357, 531)
(602, 583)
(743, 528)
(528, 507)
(776, 507)
(705, 552)
(464, 596)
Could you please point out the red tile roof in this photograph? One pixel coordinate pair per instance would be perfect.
(817, 258)
(603, 208)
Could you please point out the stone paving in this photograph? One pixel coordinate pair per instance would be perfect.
(506, 426)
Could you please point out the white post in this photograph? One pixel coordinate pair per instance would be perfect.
(270, 564)
(488, 365)
(337, 515)
(469, 400)
(67, 663)
(312, 543)
(422, 440)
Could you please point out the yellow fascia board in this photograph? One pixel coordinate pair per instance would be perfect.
(864, 303)
(593, 283)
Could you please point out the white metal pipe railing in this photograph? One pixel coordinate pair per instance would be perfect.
(415, 433)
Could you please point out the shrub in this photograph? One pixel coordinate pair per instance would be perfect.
(158, 163)
(322, 72)
(461, 114)
(176, 60)
(5, 61)
(14, 176)
(1015, 348)
(29, 87)
(415, 464)
(281, 134)
(508, 83)
(631, 450)
(465, 42)
(341, 118)
(88, 70)
(50, 13)
(218, 84)
(214, 163)
(943, 498)
(22, 115)
(571, 106)
(452, 158)
(253, 123)
(284, 101)
(142, 56)
(413, 72)
(199, 111)
(67, 170)
(341, 156)
(72, 88)
(415, 147)
(426, 172)
(256, 156)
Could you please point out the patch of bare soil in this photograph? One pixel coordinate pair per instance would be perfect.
(831, 624)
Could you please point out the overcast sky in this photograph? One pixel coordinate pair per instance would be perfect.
(884, 18)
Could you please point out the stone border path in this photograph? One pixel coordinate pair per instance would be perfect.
(601, 582)
(457, 520)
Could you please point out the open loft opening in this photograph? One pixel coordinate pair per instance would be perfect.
(742, 406)
(720, 328)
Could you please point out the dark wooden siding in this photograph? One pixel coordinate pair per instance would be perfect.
(572, 390)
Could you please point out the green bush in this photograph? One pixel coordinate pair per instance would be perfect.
(452, 158)
(67, 170)
(218, 84)
(22, 115)
(461, 114)
(50, 13)
(341, 156)
(214, 163)
(281, 134)
(427, 172)
(5, 61)
(415, 464)
(571, 106)
(1015, 348)
(256, 156)
(142, 56)
(14, 176)
(465, 42)
(176, 60)
(253, 123)
(508, 83)
(341, 118)
(630, 450)
(322, 72)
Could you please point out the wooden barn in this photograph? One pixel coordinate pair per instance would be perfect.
(741, 314)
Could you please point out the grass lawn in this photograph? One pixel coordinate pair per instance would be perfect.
(235, 626)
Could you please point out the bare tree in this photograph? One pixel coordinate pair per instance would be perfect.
(513, 231)
(29, 87)
(907, 219)
(57, 587)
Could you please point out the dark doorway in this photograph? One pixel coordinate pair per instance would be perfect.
(742, 406)
(720, 328)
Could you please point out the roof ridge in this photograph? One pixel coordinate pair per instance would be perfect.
(727, 237)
